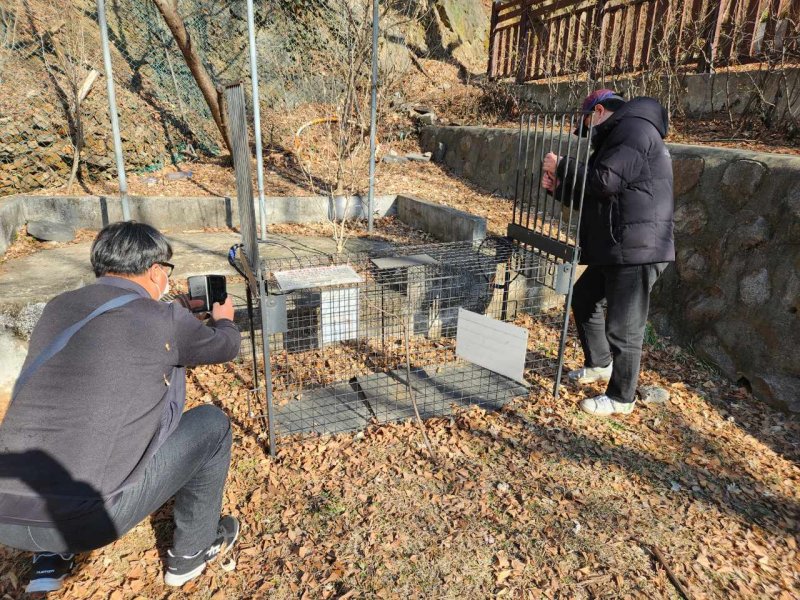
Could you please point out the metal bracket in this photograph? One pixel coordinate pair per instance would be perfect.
(541, 242)
(563, 277)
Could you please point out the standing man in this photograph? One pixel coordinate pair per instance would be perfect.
(95, 438)
(625, 237)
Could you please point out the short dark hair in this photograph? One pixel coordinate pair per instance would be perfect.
(128, 248)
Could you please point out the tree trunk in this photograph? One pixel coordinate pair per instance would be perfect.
(169, 11)
(77, 117)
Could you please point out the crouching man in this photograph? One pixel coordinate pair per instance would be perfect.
(95, 438)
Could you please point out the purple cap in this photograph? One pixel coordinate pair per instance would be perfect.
(598, 96)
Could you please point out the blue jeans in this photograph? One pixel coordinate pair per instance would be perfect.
(192, 465)
(610, 306)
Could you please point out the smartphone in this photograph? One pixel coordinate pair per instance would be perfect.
(209, 289)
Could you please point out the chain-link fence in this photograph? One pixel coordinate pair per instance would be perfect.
(310, 53)
(150, 64)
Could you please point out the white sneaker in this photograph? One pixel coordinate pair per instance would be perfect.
(591, 374)
(603, 406)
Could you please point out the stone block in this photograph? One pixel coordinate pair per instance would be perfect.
(753, 231)
(26, 319)
(741, 179)
(691, 265)
(686, 173)
(710, 348)
(754, 288)
(690, 219)
(781, 390)
(652, 394)
(707, 307)
(50, 231)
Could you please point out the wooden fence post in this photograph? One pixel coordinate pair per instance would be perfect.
(491, 70)
(712, 33)
(523, 45)
(599, 13)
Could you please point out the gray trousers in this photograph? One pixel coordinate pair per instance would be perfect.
(610, 306)
(192, 465)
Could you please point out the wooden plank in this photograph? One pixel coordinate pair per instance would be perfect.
(555, 9)
(604, 37)
(508, 34)
(586, 23)
(647, 42)
(613, 46)
(522, 51)
(540, 34)
(711, 34)
(594, 39)
(573, 62)
(750, 24)
(491, 68)
(630, 55)
(768, 42)
(723, 32)
(564, 52)
(555, 44)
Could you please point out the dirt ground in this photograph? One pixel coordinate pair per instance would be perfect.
(536, 501)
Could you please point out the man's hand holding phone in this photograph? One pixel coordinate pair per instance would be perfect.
(223, 311)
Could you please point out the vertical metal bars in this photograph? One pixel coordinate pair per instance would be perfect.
(373, 119)
(538, 223)
(112, 110)
(237, 124)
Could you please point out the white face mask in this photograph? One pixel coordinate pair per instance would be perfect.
(165, 291)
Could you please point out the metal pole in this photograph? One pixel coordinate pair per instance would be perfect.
(256, 117)
(112, 109)
(373, 113)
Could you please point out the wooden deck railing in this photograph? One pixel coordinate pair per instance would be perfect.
(534, 39)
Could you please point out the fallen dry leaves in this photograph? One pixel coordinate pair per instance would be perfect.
(24, 245)
(535, 501)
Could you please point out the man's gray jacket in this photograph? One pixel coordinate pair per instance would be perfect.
(86, 423)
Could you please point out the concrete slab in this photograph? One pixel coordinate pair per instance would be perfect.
(40, 276)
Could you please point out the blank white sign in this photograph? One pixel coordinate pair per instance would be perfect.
(492, 344)
(339, 311)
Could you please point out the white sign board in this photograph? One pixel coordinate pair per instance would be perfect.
(339, 311)
(316, 277)
(492, 344)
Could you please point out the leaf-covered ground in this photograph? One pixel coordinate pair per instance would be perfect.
(538, 500)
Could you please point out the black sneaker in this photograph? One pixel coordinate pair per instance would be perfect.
(49, 571)
(181, 569)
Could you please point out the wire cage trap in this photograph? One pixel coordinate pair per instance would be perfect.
(361, 338)
(337, 342)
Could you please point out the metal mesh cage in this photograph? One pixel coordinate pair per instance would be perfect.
(347, 340)
(355, 339)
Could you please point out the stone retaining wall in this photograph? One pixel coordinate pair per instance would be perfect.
(36, 148)
(698, 95)
(733, 295)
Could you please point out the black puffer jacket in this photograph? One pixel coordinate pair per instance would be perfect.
(628, 204)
